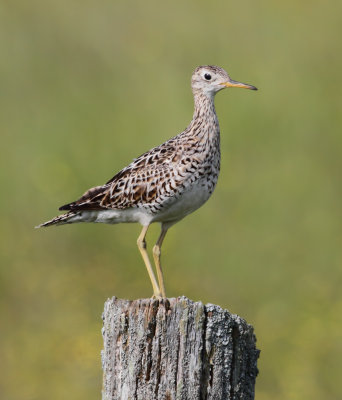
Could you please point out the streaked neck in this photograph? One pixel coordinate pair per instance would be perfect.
(204, 113)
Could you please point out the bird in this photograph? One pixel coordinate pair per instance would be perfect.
(166, 183)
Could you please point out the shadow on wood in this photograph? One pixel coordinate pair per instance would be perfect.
(176, 349)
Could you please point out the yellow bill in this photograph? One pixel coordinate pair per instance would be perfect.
(232, 83)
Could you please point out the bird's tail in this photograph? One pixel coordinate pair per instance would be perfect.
(60, 220)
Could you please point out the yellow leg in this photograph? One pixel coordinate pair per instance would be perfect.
(156, 257)
(142, 248)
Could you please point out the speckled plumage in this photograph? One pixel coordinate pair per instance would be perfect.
(168, 182)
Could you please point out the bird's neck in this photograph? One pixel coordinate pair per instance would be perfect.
(204, 120)
(204, 105)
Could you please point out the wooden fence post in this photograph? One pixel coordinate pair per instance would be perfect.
(176, 349)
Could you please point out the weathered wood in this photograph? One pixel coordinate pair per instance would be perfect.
(176, 349)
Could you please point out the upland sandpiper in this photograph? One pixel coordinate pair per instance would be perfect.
(166, 183)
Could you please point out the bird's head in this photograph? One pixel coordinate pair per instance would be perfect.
(209, 79)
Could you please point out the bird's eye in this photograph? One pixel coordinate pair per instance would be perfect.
(207, 77)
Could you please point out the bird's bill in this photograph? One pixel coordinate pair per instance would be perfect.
(232, 83)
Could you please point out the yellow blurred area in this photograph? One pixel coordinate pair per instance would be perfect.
(86, 87)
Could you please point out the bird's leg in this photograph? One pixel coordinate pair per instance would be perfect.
(142, 248)
(156, 256)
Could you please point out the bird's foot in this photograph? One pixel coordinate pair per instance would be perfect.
(157, 296)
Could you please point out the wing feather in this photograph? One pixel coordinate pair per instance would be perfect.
(136, 184)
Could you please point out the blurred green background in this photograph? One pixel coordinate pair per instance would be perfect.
(87, 86)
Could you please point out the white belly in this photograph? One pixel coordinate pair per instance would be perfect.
(114, 216)
(189, 201)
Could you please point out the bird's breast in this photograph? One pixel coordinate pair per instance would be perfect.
(193, 186)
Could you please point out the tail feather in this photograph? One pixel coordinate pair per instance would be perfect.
(59, 220)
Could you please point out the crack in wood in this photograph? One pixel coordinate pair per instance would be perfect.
(235, 337)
